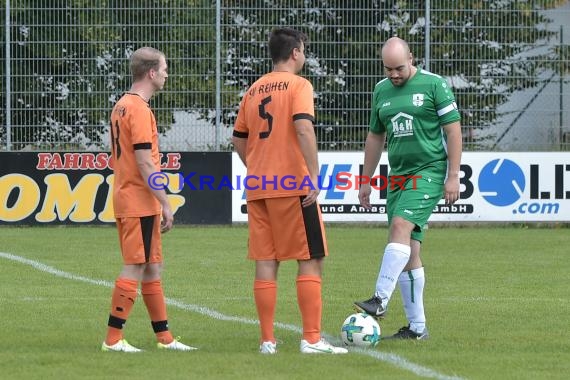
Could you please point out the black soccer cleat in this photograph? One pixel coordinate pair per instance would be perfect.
(372, 307)
(406, 333)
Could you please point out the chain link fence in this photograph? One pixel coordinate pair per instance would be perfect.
(65, 63)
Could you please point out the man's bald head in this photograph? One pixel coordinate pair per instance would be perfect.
(395, 46)
(397, 60)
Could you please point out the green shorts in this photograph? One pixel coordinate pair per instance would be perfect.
(414, 200)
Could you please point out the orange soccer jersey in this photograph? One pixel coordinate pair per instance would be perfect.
(266, 117)
(133, 127)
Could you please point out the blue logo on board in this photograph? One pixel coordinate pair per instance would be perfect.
(501, 182)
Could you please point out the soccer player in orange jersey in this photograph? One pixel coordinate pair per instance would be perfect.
(275, 138)
(138, 207)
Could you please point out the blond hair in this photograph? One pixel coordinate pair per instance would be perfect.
(143, 60)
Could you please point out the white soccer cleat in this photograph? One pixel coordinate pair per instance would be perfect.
(175, 345)
(120, 346)
(321, 347)
(268, 348)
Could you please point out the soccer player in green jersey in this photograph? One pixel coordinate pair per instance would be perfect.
(415, 111)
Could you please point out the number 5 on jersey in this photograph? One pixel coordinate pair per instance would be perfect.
(265, 116)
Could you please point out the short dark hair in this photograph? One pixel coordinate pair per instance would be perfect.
(282, 42)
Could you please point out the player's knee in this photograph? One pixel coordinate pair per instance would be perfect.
(401, 226)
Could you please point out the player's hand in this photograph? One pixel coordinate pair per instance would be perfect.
(451, 188)
(167, 219)
(313, 194)
(364, 195)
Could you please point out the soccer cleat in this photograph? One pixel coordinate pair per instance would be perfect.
(406, 333)
(321, 347)
(372, 306)
(120, 346)
(175, 345)
(268, 348)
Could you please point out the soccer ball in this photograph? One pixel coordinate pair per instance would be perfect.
(360, 330)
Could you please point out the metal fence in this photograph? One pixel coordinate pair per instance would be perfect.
(65, 63)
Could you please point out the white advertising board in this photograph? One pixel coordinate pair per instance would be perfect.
(507, 187)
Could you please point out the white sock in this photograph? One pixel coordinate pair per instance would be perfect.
(395, 258)
(412, 288)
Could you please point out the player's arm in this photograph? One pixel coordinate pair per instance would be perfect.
(454, 149)
(308, 144)
(241, 132)
(372, 152)
(240, 146)
(146, 168)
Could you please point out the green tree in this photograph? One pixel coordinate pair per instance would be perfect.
(336, 60)
(479, 45)
(69, 64)
(70, 59)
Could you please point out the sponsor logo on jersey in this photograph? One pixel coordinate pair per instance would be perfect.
(402, 125)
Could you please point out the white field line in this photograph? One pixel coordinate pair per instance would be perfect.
(393, 359)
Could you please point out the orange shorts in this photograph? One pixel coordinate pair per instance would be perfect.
(282, 229)
(140, 239)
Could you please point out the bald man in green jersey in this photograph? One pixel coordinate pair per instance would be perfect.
(415, 111)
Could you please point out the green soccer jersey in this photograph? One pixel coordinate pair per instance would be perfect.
(412, 117)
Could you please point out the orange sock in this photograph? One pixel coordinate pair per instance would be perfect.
(265, 295)
(153, 297)
(122, 301)
(311, 306)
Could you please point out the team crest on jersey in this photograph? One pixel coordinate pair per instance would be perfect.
(418, 100)
(122, 111)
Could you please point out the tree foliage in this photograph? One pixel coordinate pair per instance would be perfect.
(483, 47)
(70, 64)
(70, 59)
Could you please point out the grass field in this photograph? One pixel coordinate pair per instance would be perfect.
(497, 303)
